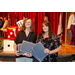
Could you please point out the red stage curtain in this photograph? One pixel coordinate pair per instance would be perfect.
(53, 17)
(33, 20)
(20, 15)
(13, 18)
(1, 14)
(38, 19)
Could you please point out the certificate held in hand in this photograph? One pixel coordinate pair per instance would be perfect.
(38, 52)
(26, 47)
(19, 47)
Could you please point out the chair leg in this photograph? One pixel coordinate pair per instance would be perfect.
(73, 58)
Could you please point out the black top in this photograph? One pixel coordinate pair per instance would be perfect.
(51, 44)
(1, 24)
(21, 36)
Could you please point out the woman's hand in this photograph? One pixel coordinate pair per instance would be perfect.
(47, 51)
(16, 53)
(53, 51)
(27, 55)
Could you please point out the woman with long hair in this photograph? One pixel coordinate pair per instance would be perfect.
(27, 34)
(50, 41)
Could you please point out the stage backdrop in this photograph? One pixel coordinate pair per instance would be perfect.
(37, 19)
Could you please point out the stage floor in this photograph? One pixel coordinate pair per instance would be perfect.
(67, 48)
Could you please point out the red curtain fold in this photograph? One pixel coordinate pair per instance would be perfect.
(38, 23)
(41, 21)
(38, 19)
(43, 16)
(33, 20)
(21, 15)
(51, 18)
(6, 14)
(30, 15)
(13, 18)
(17, 16)
(1, 14)
(25, 14)
(53, 26)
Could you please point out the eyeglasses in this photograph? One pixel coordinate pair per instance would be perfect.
(27, 22)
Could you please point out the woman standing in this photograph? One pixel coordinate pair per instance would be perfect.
(50, 41)
(27, 34)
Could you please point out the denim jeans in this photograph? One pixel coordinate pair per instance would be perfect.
(24, 59)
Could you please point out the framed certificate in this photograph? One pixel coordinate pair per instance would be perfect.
(38, 51)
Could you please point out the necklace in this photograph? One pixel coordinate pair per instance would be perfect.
(28, 36)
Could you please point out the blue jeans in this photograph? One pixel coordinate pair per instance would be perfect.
(24, 59)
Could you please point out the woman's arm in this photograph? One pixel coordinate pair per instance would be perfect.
(53, 51)
(15, 49)
(56, 50)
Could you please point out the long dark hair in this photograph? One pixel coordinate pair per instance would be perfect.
(50, 31)
(23, 26)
